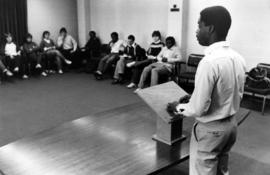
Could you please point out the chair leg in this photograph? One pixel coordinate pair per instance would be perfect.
(263, 106)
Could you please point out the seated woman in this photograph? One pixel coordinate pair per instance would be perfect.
(152, 53)
(4, 69)
(13, 57)
(132, 53)
(49, 49)
(32, 54)
(163, 67)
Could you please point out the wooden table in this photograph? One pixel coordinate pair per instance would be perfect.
(112, 142)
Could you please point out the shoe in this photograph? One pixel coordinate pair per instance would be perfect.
(98, 76)
(51, 71)
(60, 71)
(131, 64)
(98, 72)
(44, 74)
(137, 90)
(38, 66)
(25, 77)
(68, 62)
(8, 73)
(115, 81)
(131, 85)
(16, 69)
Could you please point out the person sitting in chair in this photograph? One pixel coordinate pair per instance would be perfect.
(106, 61)
(132, 53)
(152, 53)
(163, 67)
(68, 47)
(91, 51)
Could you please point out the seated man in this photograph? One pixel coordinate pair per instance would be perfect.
(91, 50)
(133, 52)
(166, 58)
(68, 47)
(152, 53)
(106, 61)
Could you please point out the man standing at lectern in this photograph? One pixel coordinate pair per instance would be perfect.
(219, 86)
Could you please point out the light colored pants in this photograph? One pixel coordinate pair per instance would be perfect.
(107, 61)
(120, 67)
(155, 70)
(210, 145)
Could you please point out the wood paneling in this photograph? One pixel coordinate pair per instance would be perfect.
(112, 142)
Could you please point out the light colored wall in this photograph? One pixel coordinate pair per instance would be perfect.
(138, 17)
(52, 15)
(249, 33)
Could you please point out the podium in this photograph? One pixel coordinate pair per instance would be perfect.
(168, 129)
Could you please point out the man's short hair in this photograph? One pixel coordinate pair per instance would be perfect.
(92, 32)
(156, 33)
(114, 34)
(219, 17)
(131, 37)
(170, 38)
(63, 30)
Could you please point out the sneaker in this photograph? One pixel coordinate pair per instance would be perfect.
(38, 66)
(8, 73)
(137, 90)
(115, 81)
(25, 77)
(68, 62)
(44, 74)
(131, 64)
(131, 85)
(98, 72)
(98, 75)
(16, 69)
(51, 71)
(60, 71)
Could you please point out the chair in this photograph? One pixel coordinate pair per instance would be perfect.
(262, 92)
(187, 75)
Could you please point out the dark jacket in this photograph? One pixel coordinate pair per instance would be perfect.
(30, 48)
(137, 53)
(93, 46)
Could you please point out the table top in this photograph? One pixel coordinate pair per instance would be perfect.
(117, 141)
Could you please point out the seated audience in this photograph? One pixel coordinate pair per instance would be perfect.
(132, 53)
(49, 49)
(92, 50)
(32, 54)
(152, 53)
(163, 67)
(106, 61)
(4, 69)
(13, 56)
(69, 47)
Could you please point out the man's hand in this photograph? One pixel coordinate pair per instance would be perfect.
(165, 60)
(171, 108)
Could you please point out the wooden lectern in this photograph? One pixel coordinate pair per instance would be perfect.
(157, 97)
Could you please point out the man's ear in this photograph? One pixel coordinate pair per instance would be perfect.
(211, 29)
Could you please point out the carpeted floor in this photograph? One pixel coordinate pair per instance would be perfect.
(29, 106)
